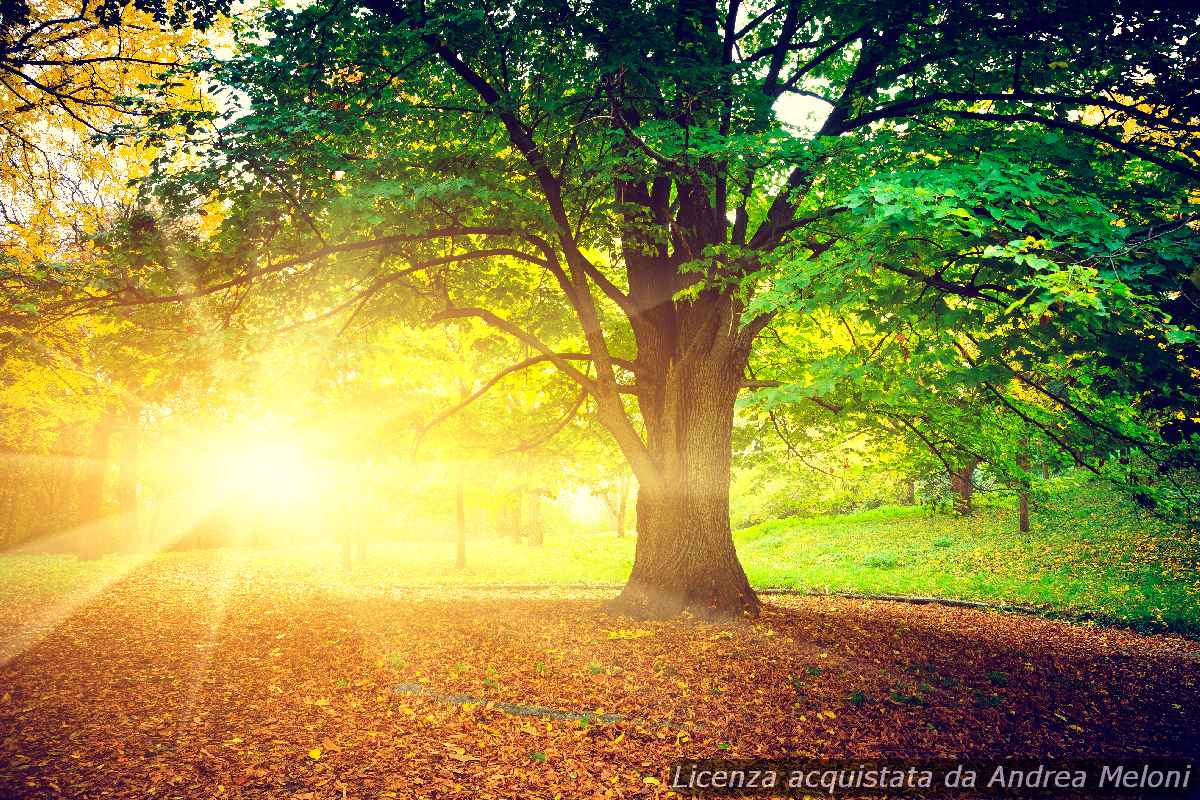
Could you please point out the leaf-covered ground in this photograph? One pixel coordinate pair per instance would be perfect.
(191, 679)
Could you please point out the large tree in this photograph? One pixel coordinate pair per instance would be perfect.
(626, 178)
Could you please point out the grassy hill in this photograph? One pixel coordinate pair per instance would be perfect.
(1086, 553)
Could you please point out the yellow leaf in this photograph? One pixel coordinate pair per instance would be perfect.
(315, 754)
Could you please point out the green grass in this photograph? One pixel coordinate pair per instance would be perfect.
(1087, 554)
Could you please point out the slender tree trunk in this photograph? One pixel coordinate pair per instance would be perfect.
(910, 492)
(536, 532)
(1023, 496)
(460, 523)
(517, 517)
(685, 558)
(61, 483)
(11, 481)
(1045, 470)
(622, 503)
(91, 493)
(460, 506)
(1126, 461)
(127, 480)
(962, 482)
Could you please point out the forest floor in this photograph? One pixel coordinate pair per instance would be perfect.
(213, 676)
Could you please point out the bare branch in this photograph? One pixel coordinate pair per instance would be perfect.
(541, 439)
(520, 334)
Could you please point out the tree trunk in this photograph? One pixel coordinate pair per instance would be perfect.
(536, 532)
(685, 558)
(622, 503)
(910, 492)
(516, 517)
(58, 481)
(460, 508)
(91, 490)
(962, 482)
(460, 523)
(11, 480)
(127, 480)
(1023, 496)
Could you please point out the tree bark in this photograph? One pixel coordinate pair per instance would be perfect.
(685, 559)
(962, 482)
(910, 492)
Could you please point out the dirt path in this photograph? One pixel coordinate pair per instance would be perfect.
(228, 685)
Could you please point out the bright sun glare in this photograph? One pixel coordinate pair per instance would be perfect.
(268, 474)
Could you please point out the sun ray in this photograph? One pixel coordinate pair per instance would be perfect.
(213, 612)
(187, 510)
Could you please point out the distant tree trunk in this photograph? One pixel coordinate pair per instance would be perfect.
(536, 531)
(1125, 460)
(127, 480)
(1023, 496)
(10, 490)
(57, 500)
(91, 490)
(460, 506)
(962, 483)
(622, 503)
(1045, 470)
(460, 523)
(354, 540)
(910, 492)
(516, 517)
(616, 500)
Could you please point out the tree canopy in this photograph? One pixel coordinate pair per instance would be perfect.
(670, 202)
